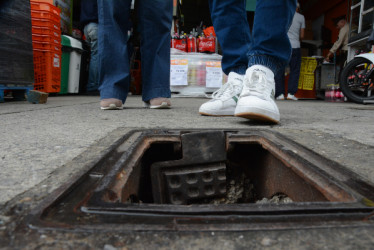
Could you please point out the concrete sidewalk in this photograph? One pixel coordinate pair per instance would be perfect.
(38, 140)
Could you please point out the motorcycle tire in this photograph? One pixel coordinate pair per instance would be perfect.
(352, 86)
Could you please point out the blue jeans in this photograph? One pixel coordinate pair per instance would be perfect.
(155, 18)
(90, 31)
(268, 45)
(293, 81)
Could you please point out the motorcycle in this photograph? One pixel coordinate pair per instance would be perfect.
(357, 77)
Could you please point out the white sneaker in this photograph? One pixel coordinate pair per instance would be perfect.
(280, 97)
(257, 98)
(225, 99)
(292, 97)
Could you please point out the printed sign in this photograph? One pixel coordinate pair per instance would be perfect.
(213, 75)
(56, 61)
(178, 72)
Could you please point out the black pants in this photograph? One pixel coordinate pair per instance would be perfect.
(340, 61)
(293, 80)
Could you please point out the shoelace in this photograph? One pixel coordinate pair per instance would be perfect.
(226, 92)
(258, 83)
(256, 86)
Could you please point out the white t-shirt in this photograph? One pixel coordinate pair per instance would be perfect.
(298, 22)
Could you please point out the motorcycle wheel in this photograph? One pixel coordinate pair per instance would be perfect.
(357, 80)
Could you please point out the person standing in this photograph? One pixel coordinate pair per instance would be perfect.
(155, 19)
(295, 34)
(250, 59)
(340, 44)
(89, 21)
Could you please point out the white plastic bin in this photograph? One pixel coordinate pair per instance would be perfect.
(75, 65)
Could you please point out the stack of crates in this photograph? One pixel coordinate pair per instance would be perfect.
(46, 39)
(307, 68)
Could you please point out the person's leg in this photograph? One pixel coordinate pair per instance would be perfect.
(342, 61)
(230, 23)
(155, 19)
(295, 64)
(114, 69)
(90, 31)
(232, 29)
(270, 51)
(271, 46)
(279, 83)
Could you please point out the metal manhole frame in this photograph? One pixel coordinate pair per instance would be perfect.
(228, 217)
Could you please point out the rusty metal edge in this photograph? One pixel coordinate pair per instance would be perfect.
(34, 218)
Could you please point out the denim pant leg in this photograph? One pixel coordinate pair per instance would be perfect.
(271, 46)
(232, 29)
(114, 68)
(155, 19)
(90, 31)
(295, 64)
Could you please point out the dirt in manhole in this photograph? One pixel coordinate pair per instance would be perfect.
(240, 189)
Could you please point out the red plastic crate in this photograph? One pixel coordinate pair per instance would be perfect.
(45, 7)
(46, 39)
(36, 30)
(44, 15)
(42, 1)
(43, 22)
(46, 46)
(47, 71)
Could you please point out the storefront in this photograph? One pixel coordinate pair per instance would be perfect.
(191, 17)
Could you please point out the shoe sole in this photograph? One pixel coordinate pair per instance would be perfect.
(163, 105)
(216, 115)
(111, 107)
(257, 117)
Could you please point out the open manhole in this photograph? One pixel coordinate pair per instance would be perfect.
(208, 180)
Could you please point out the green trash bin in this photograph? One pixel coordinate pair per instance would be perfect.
(65, 63)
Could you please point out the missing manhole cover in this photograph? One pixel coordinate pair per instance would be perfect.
(209, 180)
